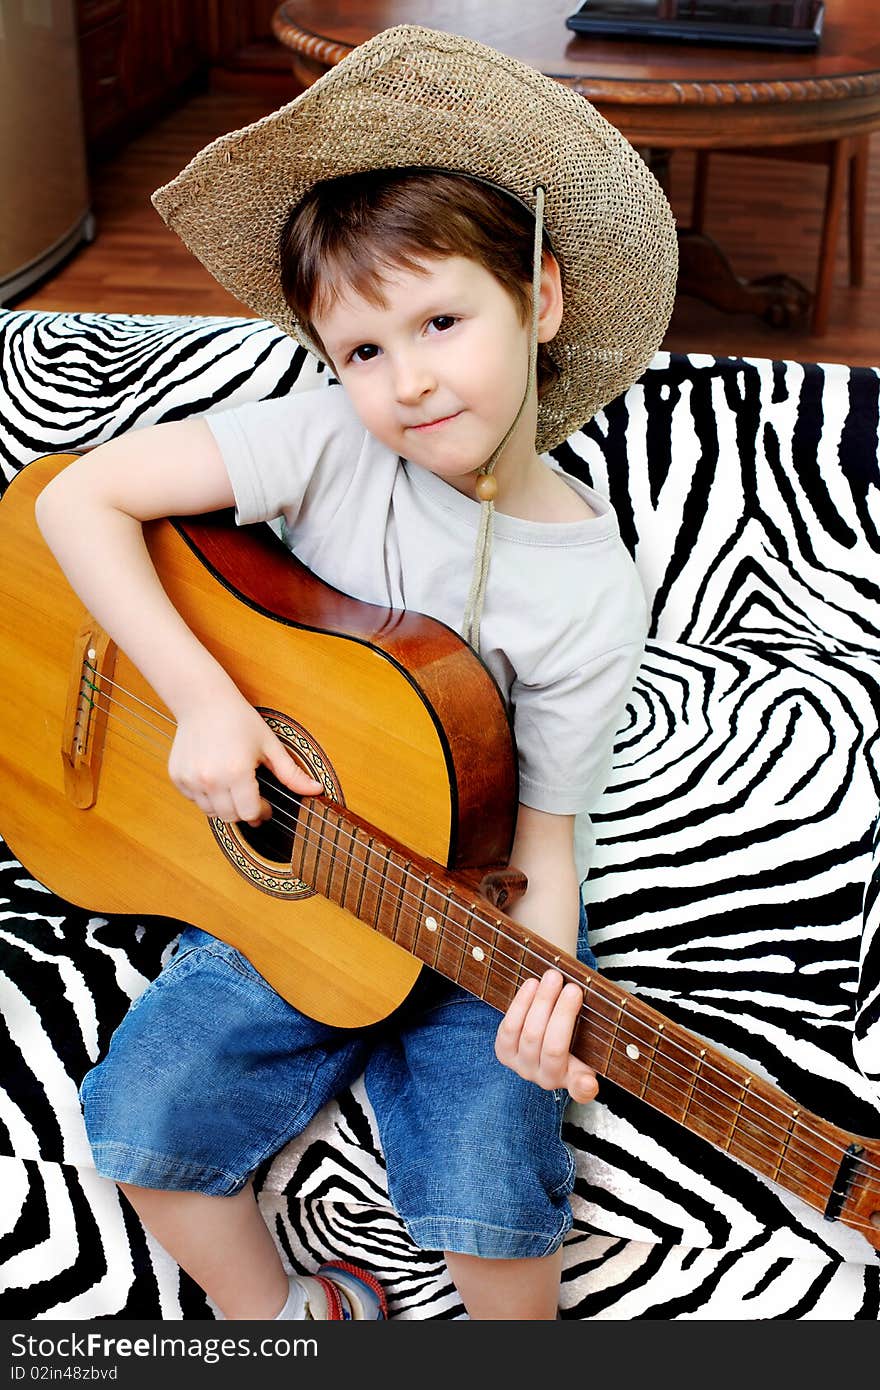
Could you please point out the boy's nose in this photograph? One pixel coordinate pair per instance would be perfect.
(412, 381)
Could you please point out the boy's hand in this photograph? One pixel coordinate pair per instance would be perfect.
(216, 751)
(534, 1037)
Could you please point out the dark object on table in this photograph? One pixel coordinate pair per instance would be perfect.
(788, 24)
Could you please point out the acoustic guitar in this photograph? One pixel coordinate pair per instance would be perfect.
(338, 899)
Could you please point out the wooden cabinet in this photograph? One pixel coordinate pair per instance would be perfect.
(137, 57)
(102, 47)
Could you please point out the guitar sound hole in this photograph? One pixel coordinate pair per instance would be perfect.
(273, 839)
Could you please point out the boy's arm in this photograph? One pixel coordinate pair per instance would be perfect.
(534, 1036)
(90, 516)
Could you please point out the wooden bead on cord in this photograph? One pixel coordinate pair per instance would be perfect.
(487, 487)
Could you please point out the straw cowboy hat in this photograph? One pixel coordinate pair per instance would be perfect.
(413, 97)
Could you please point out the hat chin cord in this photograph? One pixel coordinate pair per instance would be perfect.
(487, 484)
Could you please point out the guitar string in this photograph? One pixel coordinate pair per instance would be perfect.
(105, 680)
(820, 1195)
(740, 1108)
(153, 743)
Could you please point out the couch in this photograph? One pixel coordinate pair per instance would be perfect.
(735, 885)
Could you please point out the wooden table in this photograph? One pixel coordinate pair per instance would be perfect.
(665, 97)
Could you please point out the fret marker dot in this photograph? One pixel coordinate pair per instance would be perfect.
(632, 1052)
(478, 953)
(431, 923)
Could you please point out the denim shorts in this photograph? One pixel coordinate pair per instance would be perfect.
(211, 1072)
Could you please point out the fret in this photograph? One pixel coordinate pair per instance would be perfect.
(474, 973)
(720, 1104)
(635, 1048)
(300, 843)
(811, 1172)
(367, 894)
(349, 858)
(330, 891)
(744, 1089)
(382, 865)
(406, 917)
(532, 964)
(427, 934)
(464, 938)
(783, 1153)
(397, 929)
(800, 1155)
(310, 848)
(669, 1063)
(361, 872)
(621, 1008)
(690, 1094)
(376, 871)
(454, 924)
(647, 1078)
(592, 1029)
(364, 858)
(711, 1108)
(324, 861)
(521, 972)
(402, 927)
(757, 1133)
(492, 987)
(641, 1056)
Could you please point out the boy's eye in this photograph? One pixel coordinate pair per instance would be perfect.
(365, 353)
(442, 321)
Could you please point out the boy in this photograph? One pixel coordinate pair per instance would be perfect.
(391, 218)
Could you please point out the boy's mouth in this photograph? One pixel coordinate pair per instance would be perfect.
(434, 424)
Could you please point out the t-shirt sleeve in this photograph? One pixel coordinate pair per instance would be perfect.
(565, 731)
(290, 455)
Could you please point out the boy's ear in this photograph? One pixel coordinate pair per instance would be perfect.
(550, 302)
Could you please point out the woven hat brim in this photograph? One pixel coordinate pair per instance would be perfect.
(416, 97)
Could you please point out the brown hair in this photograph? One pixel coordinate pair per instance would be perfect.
(348, 229)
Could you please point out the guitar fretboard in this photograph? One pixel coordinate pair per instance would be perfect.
(431, 915)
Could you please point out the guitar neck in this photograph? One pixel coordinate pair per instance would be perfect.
(439, 918)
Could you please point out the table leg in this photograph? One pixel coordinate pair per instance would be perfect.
(706, 273)
(835, 189)
(858, 206)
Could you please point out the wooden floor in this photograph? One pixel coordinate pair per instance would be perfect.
(766, 216)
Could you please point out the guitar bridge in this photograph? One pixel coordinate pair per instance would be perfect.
(85, 716)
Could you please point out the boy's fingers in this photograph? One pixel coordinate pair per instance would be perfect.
(288, 770)
(250, 805)
(535, 1027)
(534, 1024)
(535, 1036)
(556, 1042)
(510, 1027)
(581, 1082)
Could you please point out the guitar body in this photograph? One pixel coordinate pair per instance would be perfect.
(392, 711)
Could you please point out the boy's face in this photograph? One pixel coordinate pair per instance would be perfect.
(438, 372)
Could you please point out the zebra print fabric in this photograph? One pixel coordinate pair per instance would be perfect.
(735, 885)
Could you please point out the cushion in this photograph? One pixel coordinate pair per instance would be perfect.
(735, 880)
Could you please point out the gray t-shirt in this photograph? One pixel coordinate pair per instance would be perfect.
(564, 618)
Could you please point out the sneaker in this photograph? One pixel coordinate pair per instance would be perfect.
(360, 1294)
